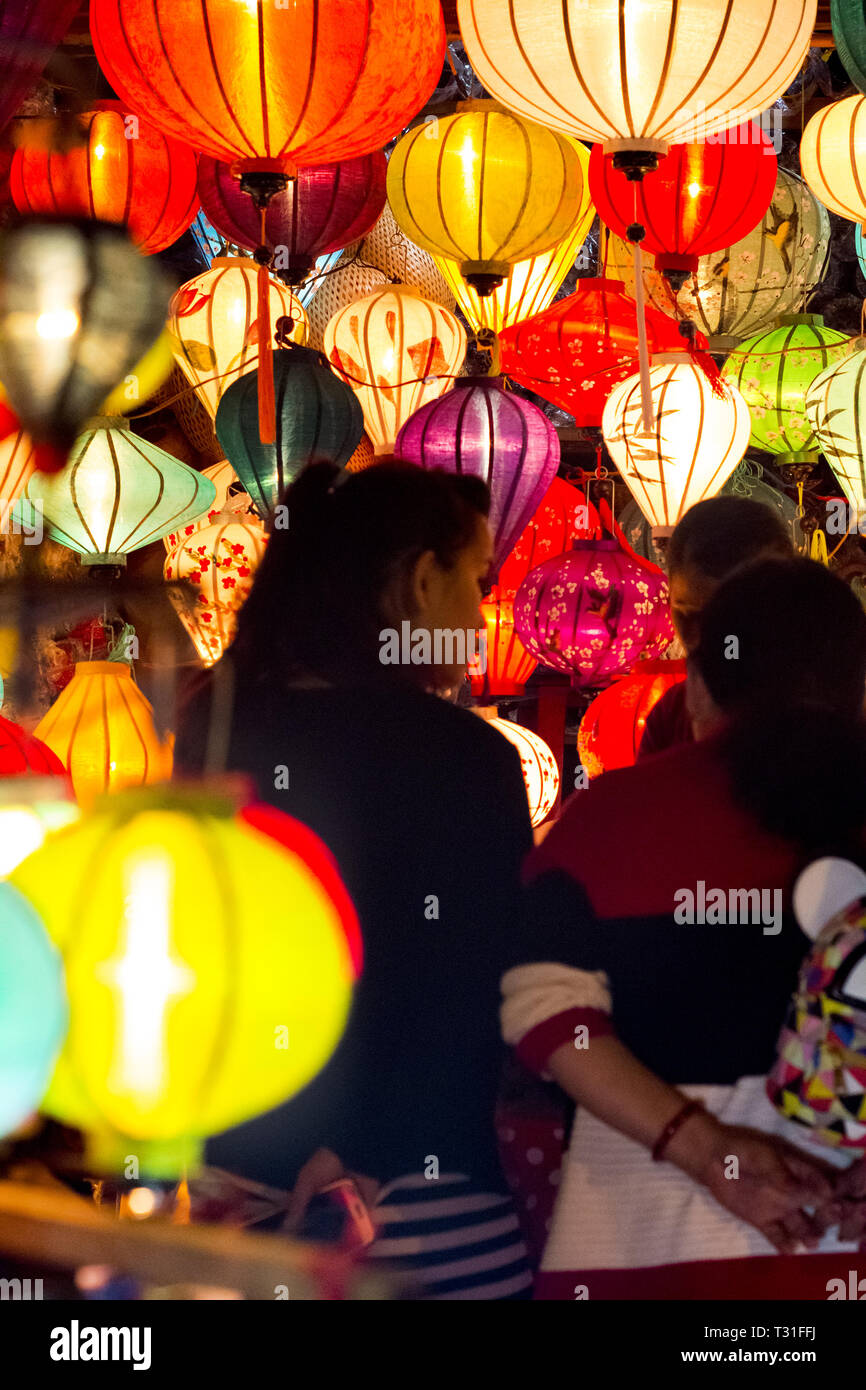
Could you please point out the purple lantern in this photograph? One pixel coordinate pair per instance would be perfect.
(592, 611)
(324, 209)
(30, 30)
(479, 428)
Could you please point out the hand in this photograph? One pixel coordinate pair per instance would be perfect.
(320, 1171)
(848, 1204)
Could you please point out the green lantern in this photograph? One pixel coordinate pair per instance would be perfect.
(774, 370)
(849, 30)
(836, 407)
(117, 493)
(318, 418)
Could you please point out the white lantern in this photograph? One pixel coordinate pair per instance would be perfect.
(836, 409)
(832, 155)
(219, 563)
(538, 765)
(700, 432)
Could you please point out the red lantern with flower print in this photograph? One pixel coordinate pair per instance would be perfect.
(613, 726)
(217, 564)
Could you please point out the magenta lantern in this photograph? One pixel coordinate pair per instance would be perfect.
(479, 428)
(591, 612)
(30, 30)
(324, 209)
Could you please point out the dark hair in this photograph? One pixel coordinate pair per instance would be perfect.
(720, 534)
(783, 653)
(316, 603)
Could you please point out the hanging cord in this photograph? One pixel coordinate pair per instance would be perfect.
(267, 400)
(636, 233)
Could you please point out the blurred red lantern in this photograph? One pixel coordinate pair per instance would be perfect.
(22, 754)
(702, 197)
(125, 170)
(575, 352)
(324, 209)
(613, 726)
(30, 30)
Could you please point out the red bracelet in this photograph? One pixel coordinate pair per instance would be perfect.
(670, 1129)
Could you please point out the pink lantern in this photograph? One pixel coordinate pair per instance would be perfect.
(591, 612)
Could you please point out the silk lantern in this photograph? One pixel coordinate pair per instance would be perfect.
(33, 1012)
(324, 209)
(703, 197)
(612, 728)
(123, 170)
(318, 418)
(102, 728)
(849, 32)
(398, 352)
(591, 612)
(480, 429)
(507, 665)
(215, 326)
(699, 434)
(639, 79)
(218, 563)
(486, 188)
(774, 371)
(31, 808)
(835, 402)
(832, 153)
(117, 493)
(230, 498)
(17, 466)
(575, 352)
(23, 754)
(209, 954)
(30, 30)
(539, 767)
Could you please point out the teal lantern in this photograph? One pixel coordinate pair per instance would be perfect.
(32, 1008)
(849, 30)
(318, 418)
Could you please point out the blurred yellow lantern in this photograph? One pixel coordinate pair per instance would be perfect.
(832, 154)
(397, 351)
(213, 321)
(209, 956)
(219, 563)
(540, 770)
(30, 809)
(486, 188)
(101, 728)
(144, 379)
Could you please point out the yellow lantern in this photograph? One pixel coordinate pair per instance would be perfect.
(832, 154)
(209, 956)
(230, 497)
(700, 432)
(145, 378)
(213, 321)
(539, 767)
(219, 563)
(31, 808)
(397, 351)
(486, 188)
(101, 728)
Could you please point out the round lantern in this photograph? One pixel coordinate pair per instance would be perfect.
(486, 189)
(219, 563)
(123, 170)
(849, 32)
(479, 428)
(575, 352)
(28, 35)
(774, 371)
(230, 498)
(318, 417)
(31, 808)
(398, 352)
(117, 493)
(835, 404)
(539, 767)
(268, 88)
(613, 726)
(832, 153)
(23, 754)
(324, 209)
(33, 1013)
(702, 197)
(209, 955)
(590, 612)
(214, 322)
(641, 80)
(102, 727)
(699, 434)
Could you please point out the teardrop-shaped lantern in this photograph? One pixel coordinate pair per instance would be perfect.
(492, 434)
(219, 564)
(123, 170)
(486, 188)
(29, 33)
(611, 730)
(835, 406)
(397, 351)
(318, 418)
(832, 153)
(117, 493)
(323, 209)
(699, 434)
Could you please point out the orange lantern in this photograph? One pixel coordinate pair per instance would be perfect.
(125, 170)
(508, 664)
(613, 726)
(17, 466)
(219, 562)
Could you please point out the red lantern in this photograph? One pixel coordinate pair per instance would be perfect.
(29, 32)
(703, 197)
(22, 754)
(327, 207)
(613, 726)
(575, 352)
(125, 171)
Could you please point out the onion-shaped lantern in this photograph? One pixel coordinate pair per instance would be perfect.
(539, 767)
(774, 371)
(218, 563)
(23, 754)
(591, 612)
(209, 954)
(832, 153)
(510, 444)
(398, 352)
(318, 418)
(28, 35)
(123, 170)
(613, 726)
(835, 405)
(486, 188)
(33, 1012)
(699, 433)
(323, 209)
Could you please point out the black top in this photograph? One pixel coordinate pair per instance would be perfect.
(424, 808)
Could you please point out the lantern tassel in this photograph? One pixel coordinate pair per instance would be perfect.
(267, 400)
(702, 360)
(646, 392)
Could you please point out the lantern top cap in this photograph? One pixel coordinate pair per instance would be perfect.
(103, 668)
(789, 320)
(220, 262)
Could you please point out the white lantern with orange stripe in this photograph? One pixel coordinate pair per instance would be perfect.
(832, 156)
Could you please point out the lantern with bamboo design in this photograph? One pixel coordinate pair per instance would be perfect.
(832, 152)
(612, 728)
(835, 404)
(218, 564)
